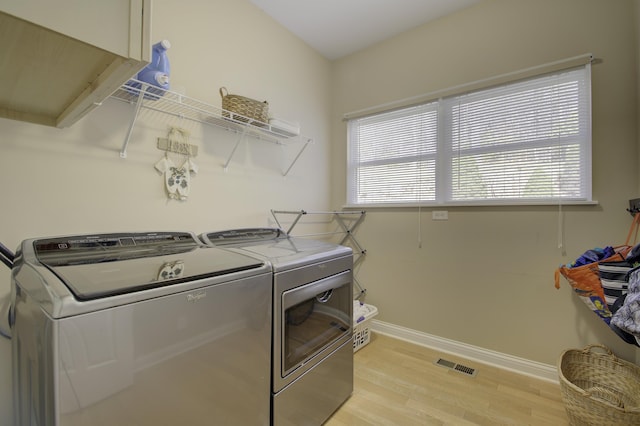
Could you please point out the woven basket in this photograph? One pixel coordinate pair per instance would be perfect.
(599, 389)
(243, 109)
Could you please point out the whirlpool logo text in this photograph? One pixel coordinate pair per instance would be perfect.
(194, 297)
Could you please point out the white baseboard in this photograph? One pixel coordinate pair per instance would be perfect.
(485, 356)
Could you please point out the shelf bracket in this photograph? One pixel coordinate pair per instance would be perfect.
(240, 138)
(123, 152)
(307, 142)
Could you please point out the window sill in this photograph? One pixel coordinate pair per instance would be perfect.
(472, 204)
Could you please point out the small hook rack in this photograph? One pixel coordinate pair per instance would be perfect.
(634, 206)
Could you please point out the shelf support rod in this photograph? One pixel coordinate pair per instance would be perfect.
(123, 152)
(241, 137)
(297, 156)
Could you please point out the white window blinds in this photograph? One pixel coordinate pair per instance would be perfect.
(519, 143)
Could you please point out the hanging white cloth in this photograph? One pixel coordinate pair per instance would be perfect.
(177, 179)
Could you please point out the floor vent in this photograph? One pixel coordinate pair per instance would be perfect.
(456, 367)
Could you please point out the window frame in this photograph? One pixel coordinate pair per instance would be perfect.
(443, 155)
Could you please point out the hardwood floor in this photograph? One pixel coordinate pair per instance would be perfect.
(398, 383)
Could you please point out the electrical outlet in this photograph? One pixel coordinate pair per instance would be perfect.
(440, 215)
(634, 205)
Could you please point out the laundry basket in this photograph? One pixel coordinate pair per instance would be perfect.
(599, 389)
(362, 316)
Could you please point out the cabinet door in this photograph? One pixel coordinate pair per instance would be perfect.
(104, 24)
(59, 60)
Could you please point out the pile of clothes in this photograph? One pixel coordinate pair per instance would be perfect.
(626, 308)
(360, 311)
(608, 281)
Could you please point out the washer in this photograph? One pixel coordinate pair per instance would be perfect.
(312, 364)
(139, 328)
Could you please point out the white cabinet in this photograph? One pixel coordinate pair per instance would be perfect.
(58, 60)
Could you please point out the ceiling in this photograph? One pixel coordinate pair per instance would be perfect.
(337, 28)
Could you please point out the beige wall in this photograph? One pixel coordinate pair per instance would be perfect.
(74, 181)
(485, 276)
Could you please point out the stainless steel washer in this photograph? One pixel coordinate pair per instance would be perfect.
(139, 328)
(312, 366)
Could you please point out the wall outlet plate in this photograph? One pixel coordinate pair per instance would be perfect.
(440, 215)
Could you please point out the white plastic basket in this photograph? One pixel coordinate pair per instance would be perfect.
(362, 315)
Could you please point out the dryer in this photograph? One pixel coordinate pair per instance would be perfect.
(139, 328)
(312, 364)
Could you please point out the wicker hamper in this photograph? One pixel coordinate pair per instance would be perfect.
(598, 388)
(247, 109)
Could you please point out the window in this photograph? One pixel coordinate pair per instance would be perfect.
(526, 142)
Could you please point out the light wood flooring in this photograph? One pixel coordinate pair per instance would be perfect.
(398, 383)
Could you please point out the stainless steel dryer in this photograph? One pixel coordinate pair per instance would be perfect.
(312, 320)
(139, 328)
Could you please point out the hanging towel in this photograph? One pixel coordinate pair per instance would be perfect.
(177, 179)
(284, 128)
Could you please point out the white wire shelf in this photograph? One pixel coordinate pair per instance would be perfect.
(144, 96)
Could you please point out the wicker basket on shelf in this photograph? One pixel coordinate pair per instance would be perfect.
(248, 110)
(599, 388)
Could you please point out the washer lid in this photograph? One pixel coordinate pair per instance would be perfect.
(96, 266)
